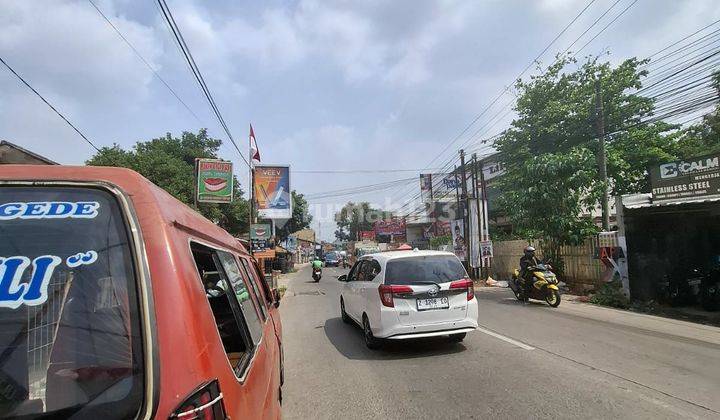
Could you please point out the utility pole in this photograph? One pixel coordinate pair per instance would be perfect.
(476, 197)
(466, 227)
(485, 223)
(602, 164)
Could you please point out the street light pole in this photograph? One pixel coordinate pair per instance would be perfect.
(602, 164)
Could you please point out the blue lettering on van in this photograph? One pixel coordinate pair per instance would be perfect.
(14, 292)
(49, 210)
(81, 258)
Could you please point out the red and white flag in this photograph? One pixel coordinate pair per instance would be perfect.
(254, 151)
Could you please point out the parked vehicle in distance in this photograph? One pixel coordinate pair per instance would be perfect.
(398, 295)
(148, 309)
(332, 259)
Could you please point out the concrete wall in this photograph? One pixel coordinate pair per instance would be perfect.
(582, 271)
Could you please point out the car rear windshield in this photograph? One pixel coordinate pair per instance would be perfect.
(70, 343)
(429, 268)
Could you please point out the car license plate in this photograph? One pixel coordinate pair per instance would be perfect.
(433, 303)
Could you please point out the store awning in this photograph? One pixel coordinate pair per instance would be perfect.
(673, 203)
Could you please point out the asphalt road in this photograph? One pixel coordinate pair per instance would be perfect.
(527, 361)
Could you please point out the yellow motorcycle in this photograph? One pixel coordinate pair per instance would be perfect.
(544, 286)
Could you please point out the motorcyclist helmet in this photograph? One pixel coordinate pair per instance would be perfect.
(530, 251)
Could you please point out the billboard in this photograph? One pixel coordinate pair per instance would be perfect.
(390, 227)
(438, 186)
(684, 179)
(214, 181)
(271, 185)
(446, 186)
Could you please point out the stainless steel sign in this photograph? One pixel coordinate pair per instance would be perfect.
(697, 177)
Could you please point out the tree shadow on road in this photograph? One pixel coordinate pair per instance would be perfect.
(348, 340)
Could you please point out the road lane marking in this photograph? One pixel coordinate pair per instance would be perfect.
(506, 339)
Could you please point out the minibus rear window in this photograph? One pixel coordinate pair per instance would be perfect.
(70, 342)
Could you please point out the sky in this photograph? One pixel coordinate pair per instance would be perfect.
(333, 85)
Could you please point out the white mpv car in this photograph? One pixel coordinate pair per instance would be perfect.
(409, 294)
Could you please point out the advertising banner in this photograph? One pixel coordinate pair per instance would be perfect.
(272, 191)
(486, 249)
(457, 228)
(214, 181)
(291, 243)
(390, 227)
(260, 237)
(368, 235)
(426, 188)
(696, 177)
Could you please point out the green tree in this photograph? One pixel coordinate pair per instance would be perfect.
(356, 217)
(550, 150)
(301, 217)
(169, 162)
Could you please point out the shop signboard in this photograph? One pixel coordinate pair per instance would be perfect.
(492, 169)
(390, 227)
(214, 181)
(686, 179)
(271, 184)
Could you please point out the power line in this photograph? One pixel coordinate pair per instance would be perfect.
(683, 39)
(606, 26)
(147, 64)
(170, 20)
(50, 105)
(358, 171)
(478, 116)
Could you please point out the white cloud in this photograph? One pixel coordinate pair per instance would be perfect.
(63, 48)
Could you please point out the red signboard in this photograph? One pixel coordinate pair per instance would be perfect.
(390, 227)
(367, 235)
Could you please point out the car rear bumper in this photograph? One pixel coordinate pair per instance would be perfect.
(430, 334)
(400, 332)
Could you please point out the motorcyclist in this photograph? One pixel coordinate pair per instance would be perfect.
(527, 260)
(317, 264)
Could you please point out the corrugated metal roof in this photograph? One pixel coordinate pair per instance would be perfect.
(674, 203)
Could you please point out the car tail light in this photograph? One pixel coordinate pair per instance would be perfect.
(203, 404)
(464, 284)
(388, 291)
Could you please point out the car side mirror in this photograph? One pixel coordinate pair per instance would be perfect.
(343, 277)
(276, 297)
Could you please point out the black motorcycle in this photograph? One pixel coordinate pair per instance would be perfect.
(710, 289)
(317, 273)
(681, 286)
